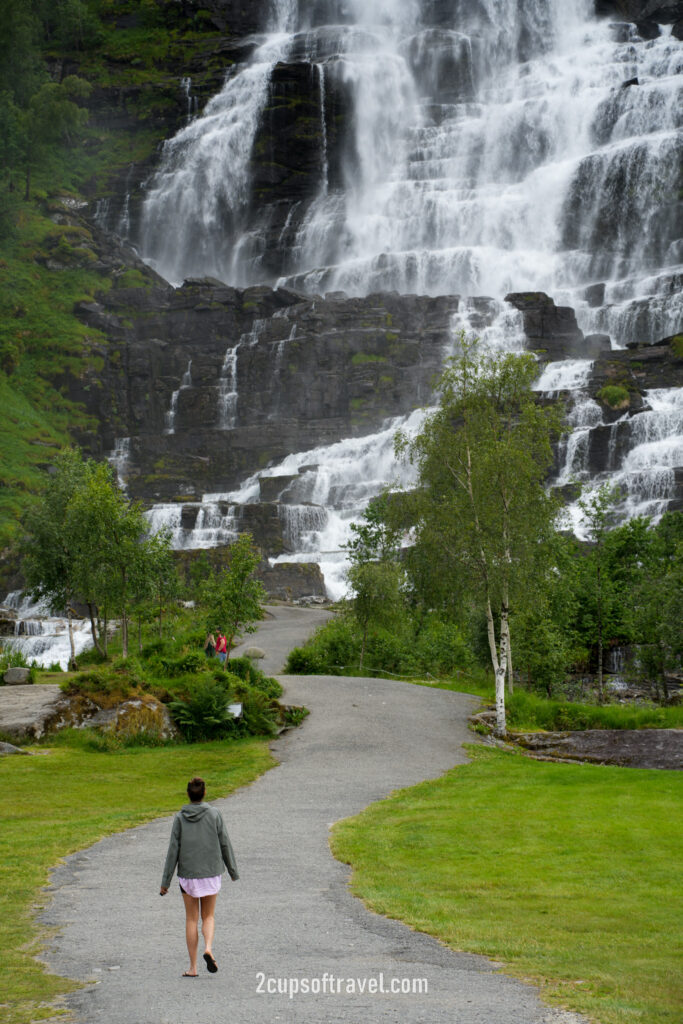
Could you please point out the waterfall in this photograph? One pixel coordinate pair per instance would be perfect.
(202, 184)
(185, 382)
(489, 146)
(195, 525)
(119, 459)
(41, 636)
(494, 149)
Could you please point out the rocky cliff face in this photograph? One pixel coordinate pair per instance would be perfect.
(211, 383)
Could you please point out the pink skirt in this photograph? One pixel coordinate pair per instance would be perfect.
(201, 886)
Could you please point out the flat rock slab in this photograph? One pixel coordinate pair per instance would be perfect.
(25, 710)
(629, 748)
(9, 748)
(290, 915)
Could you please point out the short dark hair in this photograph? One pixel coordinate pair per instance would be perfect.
(196, 789)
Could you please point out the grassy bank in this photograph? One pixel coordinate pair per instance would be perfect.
(566, 874)
(64, 799)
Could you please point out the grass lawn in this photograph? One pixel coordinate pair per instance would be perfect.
(568, 874)
(62, 800)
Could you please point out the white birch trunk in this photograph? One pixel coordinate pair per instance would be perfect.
(72, 662)
(501, 670)
(492, 636)
(511, 684)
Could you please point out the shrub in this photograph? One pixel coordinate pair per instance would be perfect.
(614, 395)
(203, 714)
(190, 661)
(249, 673)
(259, 713)
(12, 657)
(303, 661)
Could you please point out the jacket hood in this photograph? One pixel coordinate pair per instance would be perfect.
(193, 812)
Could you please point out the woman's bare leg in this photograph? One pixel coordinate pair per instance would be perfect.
(208, 925)
(191, 929)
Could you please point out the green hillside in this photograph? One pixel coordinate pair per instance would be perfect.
(61, 145)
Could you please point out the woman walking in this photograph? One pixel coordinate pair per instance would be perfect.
(201, 849)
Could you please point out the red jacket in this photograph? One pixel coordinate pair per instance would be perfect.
(221, 644)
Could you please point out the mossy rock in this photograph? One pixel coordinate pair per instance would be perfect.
(677, 345)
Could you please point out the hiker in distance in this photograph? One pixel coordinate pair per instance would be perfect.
(201, 849)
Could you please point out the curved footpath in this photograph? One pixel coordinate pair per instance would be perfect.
(290, 915)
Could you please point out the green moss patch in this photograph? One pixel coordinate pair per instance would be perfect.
(614, 395)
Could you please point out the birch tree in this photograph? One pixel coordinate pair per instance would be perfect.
(482, 458)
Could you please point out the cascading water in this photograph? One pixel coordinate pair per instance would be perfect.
(494, 146)
(186, 382)
(41, 636)
(496, 150)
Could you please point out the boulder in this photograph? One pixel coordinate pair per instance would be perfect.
(17, 677)
(551, 331)
(595, 294)
(27, 711)
(255, 653)
(133, 717)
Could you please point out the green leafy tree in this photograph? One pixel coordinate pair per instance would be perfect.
(68, 24)
(232, 597)
(597, 518)
(51, 543)
(51, 117)
(86, 542)
(482, 459)
(376, 596)
(656, 599)
(162, 574)
(21, 67)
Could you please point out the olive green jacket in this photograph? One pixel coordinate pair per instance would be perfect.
(199, 845)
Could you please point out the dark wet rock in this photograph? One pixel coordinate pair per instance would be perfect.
(285, 581)
(642, 12)
(595, 295)
(8, 622)
(309, 370)
(293, 581)
(552, 331)
(272, 487)
(633, 748)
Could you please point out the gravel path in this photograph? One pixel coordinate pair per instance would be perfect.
(290, 916)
